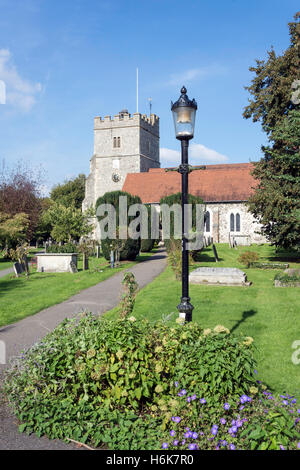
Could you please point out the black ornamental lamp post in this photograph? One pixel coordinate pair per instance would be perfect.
(184, 113)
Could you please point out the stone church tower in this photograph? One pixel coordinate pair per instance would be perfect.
(122, 145)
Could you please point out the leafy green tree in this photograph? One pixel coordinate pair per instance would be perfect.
(275, 201)
(70, 193)
(68, 223)
(272, 84)
(12, 229)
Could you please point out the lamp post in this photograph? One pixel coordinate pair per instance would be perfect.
(184, 113)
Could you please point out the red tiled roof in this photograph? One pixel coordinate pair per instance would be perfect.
(217, 183)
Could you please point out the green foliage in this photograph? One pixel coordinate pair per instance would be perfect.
(89, 370)
(12, 229)
(247, 258)
(70, 193)
(288, 278)
(175, 257)
(271, 86)
(257, 264)
(130, 288)
(176, 199)
(68, 223)
(147, 243)
(65, 248)
(276, 200)
(257, 422)
(126, 249)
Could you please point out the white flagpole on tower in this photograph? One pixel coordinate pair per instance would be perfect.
(137, 90)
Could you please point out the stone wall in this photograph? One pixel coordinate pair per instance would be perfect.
(220, 222)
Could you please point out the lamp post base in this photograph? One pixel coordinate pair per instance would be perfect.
(185, 309)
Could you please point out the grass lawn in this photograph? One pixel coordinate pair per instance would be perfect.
(21, 297)
(270, 315)
(5, 263)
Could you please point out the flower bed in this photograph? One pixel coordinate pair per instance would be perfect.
(124, 383)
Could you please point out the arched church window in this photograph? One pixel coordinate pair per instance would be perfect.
(119, 142)
(231, 222)
(237, 223)
(207, 221)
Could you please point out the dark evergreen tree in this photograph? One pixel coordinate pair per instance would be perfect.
(275, 102)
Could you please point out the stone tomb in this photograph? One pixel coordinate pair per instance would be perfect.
(219, 277)
(56, 262)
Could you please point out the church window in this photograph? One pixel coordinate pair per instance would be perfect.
(231, 222)
(237, 223)
(207, 221)
(116, 142)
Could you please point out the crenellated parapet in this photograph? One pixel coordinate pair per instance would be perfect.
(124, 119)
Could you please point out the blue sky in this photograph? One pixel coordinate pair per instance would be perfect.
(64, 62)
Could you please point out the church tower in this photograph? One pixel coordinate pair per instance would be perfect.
(122, 145)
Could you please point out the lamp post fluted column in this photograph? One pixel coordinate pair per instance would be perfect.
(185, 308)
(184, 112)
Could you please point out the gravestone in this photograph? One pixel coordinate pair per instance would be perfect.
(85, 261)
(73, 267)
(215, 253)
(18, 269)
(98, 251)
(219, 276)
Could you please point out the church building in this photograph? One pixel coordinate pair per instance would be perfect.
(126, 157)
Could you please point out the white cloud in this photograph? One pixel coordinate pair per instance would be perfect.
(198, 154)
(20, 93)
(192, 74)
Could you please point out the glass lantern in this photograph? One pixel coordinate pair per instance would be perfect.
(184, 114)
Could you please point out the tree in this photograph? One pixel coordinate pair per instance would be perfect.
(271, 87)
(12, 229)
(20, 193)
(275, 201)
(68, 223)
(70, 193)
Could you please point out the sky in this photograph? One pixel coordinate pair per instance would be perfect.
(62, 62)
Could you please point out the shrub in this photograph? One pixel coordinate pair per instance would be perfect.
(129, 251)
(247, 258)
(147, 243)
(99, 381)
(130, 288)
(130, 247)
(176, 199)
(66, 248)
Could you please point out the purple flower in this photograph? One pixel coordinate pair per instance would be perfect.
(194, 435)
(298, 411)
(214, 430)
(193, 397)
(188, 434)
(285, 402)
(226, 406)
(282, 448)
(175, 443)
(231, 447)
(183, 392)
(255, 371)
(165, 445)
(298, 445)
(224, 443)
(192, 446)
(183, 442)
(177, 419)
(188, 399)
(203, 401)
(223, 421)
(176, 384)
(172, 433)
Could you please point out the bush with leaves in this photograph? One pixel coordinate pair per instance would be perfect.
(65, 248)
(130, 288)
(129, 248)
(247, 258)
(77, 382)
